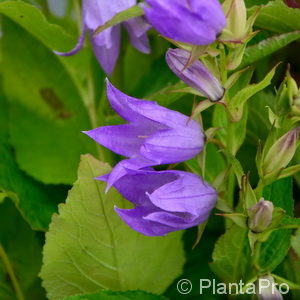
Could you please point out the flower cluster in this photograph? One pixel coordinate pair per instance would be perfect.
(154, 135)
(164, 201)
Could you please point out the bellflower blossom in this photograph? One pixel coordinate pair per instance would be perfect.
(154, 135)
(196, 22)
(106, 45)
(195, 75)
(164, 201)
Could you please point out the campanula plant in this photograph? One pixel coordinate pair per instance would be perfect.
(154, 135)
(134, 174)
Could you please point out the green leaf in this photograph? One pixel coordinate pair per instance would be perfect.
(277, 17)
(296, 242)
(274, 250)
(20, 255)
(35, 201)
(110, 295)
(266, 47)
(46, 108)
(198, 260)
(281, 194)
(4, 129)
(231, 255)
(132, 12)
(292, 271)
(237, 102)
(31, 19)
(290, 222)
(214, 163)
(89, 248)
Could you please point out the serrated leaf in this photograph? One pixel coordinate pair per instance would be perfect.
(231, 255)
(266, 47)
(46, 108)
(89, 248)
(110, 295)
(20, 255)
(274, 250)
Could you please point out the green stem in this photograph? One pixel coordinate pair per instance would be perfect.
(77, 8)
(229, 133)
(256, 255)
(259, 189)
(92, 110)
(11, 273)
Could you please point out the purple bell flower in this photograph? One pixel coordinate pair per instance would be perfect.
(106, 45)
(164, 201)
(196, 22)
(195, 75)
(154, 135)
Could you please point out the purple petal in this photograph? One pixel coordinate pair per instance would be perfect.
(137, 28)
(125, 139)
(106, 47)
(196, 75)
(97, 12)
(203, 20)
(173, 145)
(188, 194)
(78, 46)
(178, 221)
(121, 169)
(135, 219)
(135, 110)
(134, 186)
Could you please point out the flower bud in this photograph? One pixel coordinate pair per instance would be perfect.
(292, 3)
(281, 152)
(260, 215)
(287, 95)
(266, 289)
(195, 75)
(236, 16)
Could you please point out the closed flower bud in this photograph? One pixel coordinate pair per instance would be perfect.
(260, 215)
(286, 95)
(236, 16)
(195, 75)
(281, 152)
(266, 289)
